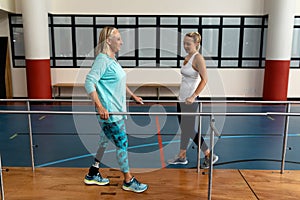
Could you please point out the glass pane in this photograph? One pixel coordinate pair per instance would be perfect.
(98, 33)
(63, 42)
(296, 43)
(294, 63)
(64, 63)
(297, 21)
(211, 63)
(105, 20)
(127, 63)
(20, 63)
(231, 21)
(230, 43)
(61, 20)
(50, 42)
(18, 40)
(147, 20)
(253, 21)
(84, 42)
(126, 20)
(128, 47)
(85, 63)
(210, 21)
(251, 43)
(147, 63)
(229, 63)
(210, 42)
(84, 20)
(168, 63)
(250, 63)
(169, 21)
(168, 42)
(16, 20)
(181, 62)
(147, 42)
(265, 43)
(183, 33)
(190, 21)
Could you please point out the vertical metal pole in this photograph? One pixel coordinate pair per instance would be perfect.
(1, 178)
(285, 137)
(212, 134)
(199, 138)
(30, 137)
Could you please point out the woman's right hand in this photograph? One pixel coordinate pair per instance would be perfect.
(103, 113)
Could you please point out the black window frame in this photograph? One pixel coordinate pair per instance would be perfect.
(178, 59)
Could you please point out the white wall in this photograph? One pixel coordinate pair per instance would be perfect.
(8, 5)
(4, 24)
(231, 7)
(297, 8)
(294, 84)
(222, 82)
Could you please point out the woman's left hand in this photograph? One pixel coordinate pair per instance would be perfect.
(138, 99)
(190, 100)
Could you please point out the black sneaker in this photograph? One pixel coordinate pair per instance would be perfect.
(206, 161)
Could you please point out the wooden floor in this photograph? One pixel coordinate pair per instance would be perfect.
(167, 184)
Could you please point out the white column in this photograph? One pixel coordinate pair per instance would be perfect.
(35, 25)
(280, 28)
(279, 47)
(36, 40)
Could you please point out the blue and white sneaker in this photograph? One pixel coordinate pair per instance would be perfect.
(134, 186)
(178, 161)
(96, 180)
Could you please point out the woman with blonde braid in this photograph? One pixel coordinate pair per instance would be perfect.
(106, 84)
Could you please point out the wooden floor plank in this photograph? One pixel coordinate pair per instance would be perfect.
(67, 183)
(269, 184)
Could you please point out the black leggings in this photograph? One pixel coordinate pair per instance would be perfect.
(187, 125)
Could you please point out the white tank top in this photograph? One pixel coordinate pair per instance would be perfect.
(189, 81)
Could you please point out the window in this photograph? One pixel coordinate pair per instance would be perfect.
(154, 41)
(295, 60)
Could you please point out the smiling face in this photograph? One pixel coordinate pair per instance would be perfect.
(189, 44)
(115, 41)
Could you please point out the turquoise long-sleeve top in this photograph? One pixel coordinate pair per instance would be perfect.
(108, 78)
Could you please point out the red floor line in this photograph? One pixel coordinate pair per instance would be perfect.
(161, 151)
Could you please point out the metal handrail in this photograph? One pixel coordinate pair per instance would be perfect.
(1, 180)
(213, 129)
(213, 132)
(139, 113)
(150, 113)
(156, 101)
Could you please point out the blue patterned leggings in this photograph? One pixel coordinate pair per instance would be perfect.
(116, 132)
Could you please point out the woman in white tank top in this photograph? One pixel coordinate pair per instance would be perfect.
(194, 79)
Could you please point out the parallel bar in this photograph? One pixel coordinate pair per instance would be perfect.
(286, 130)
(212, 127)
(212, 135)
(153, 101)
(139, 113)
(1, 178)
(199, 138)
(283, 114)
(213, 132)
(30, 136)
(148, 113)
